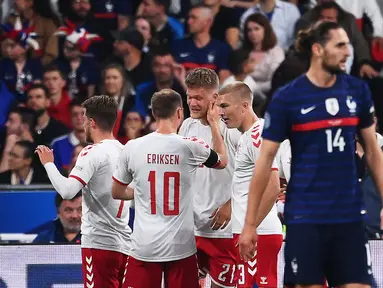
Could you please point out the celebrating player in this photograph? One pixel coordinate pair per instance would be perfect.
(165, 164)
(212, 204)
(105, 239)
(235, 101)
(320, 112)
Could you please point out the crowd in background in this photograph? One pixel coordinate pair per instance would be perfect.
(56, 53)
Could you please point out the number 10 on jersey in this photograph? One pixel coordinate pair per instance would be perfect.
(167, 176)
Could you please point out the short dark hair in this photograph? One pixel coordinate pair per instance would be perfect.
(59, 199)
(202, 78)
(165, 3)
(75, 102)
(28, 147)
(160, 50)
(318, 33)
(328, 5)
(236, 60)
(39, 86)
(103, 110)
(165, 103)
(54, 68)
(269, 38)
(28, 116)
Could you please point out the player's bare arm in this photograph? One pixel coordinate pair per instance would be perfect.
(221, 216)
(121, 191)
(219, 147)
(66, 187)
(258, 185)
(269, 197)
(374, 157)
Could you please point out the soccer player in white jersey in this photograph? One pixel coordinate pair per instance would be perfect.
(212, 201)
(235, 101)
(163, 167)
(105, 239)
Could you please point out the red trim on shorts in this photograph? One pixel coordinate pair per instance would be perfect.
(78, 179)
(328, 123)
(119, 182)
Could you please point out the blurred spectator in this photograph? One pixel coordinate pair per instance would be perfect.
(54, 80)
(41, 19)
(165, 76)
(266, 54)
(240, 3)
(225, 24)
(168, 29)
(282, 16)
(67, 227)
(116, 85)
(7, 100)
(128, 47)
(241, 66)
(19, 70)
(148, 31)
(20, 166)
(47, 128)
(133, 126)
(20, 127)
(76, 151)
(63, 146)
(200, 50)
(348, 22)
(82, 72)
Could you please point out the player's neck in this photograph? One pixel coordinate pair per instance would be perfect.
(201, 39)
(99, 136)
(321, 78)
(248, 122)
(165, 127)
(203, 121)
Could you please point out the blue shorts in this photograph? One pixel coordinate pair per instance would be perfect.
(336, 252)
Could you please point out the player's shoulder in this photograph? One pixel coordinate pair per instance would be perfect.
(291, 89)
(253, 136)
(194, 141)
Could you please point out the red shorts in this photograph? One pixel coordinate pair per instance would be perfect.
(217, 256)
(103, 268)
(263, 269)
(180, 273)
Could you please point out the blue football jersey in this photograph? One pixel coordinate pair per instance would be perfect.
(321, 124)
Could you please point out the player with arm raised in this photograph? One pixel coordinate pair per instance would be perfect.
(235, 101)
(105, 239)
(163, 167)
(212, 201)
(320, 113)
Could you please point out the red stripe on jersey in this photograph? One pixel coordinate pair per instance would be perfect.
(78, 179)
(119, 182)
(105, 15)
(315, 125)
(192, 65)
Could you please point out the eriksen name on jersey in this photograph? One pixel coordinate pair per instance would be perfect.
(167, 159)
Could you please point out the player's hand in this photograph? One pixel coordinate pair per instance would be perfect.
(282, 193)
(179, 72)
(45, 154)
(213, 115)
(367, 71)
(221, 216)
(247, 243)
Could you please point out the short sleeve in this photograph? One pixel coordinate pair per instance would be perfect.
(366, 111)
(276, 120)
(200, 150)
(278, 160)
(85, 165)
(123, 174)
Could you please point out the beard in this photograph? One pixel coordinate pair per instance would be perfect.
(72, 226)
(332, 69)
(40, 112)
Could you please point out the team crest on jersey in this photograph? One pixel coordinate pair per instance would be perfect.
(332, 106)
(210, 57)
(351, 104)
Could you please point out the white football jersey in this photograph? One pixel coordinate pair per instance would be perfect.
(284, 160)
(212, 188)
(163, 168)
(104, 219)
(248, 152)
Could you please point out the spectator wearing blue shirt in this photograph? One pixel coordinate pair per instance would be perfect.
(200, 50)
(82, 70)
(166, 76)
(63, 146)
(107, 11)
(282, 16)
(66, 228)
(168, 28)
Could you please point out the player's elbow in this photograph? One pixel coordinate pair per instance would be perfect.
(222, 163)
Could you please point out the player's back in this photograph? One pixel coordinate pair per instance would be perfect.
(163, 167)
(213, 186)
(105, 220)
(321, 124)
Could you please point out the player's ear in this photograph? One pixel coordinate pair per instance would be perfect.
(317, 49)
(92, 123)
